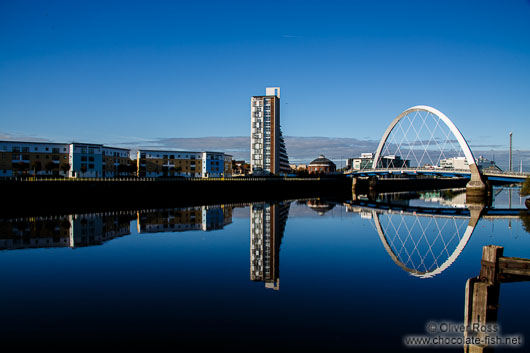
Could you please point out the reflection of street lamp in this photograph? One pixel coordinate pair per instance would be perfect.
(510, 162)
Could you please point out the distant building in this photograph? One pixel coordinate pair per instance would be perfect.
(241, 168)
(394, 161)
(485, 164)
(227, 165)
(360, 163)
(321, 165)
(298, 168)
(454, 163)
(268, 154)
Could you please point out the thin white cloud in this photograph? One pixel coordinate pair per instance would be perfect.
(21, 137)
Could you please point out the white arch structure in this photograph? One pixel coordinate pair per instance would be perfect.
(454, 130)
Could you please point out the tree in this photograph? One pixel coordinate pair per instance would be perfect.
(525, 218)
(37, 167)
(525, 190)
(122, 169)
(50, 166)
(66, 168)
(21, 167)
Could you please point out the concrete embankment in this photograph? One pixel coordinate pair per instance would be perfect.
(86, 195)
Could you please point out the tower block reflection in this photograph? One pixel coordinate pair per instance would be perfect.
(267, 224)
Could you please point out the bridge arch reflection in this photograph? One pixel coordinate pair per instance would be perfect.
(452, 230)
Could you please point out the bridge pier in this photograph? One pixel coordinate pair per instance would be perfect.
(477, 191)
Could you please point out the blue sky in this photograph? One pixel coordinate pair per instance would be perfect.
(136, 71)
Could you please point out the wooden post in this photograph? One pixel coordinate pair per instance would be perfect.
(490, 263)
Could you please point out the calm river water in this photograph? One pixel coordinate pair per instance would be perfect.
(300, 275)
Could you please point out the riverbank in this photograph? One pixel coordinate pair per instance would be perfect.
(53, 196)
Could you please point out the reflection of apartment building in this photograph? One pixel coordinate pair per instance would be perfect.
(68, 231)
(215, 217)
(152, 163)
(96, 229)
(184, 219)
(267, 147)
(61, 159)
(34, 233)
(267, 225)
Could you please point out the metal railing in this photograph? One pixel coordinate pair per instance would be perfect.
(150, 179)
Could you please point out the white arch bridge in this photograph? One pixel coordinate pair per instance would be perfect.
(424, 141)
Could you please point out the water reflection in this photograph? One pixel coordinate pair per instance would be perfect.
(267, 225)
(64, 231)
(81, 230)
(424, 233)
(319, 206)
(203, 218)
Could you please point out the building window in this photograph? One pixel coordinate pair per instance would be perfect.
(90, 166)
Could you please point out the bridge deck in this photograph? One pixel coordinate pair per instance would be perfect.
(514, 177)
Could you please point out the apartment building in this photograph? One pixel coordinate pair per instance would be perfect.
(157, 163)
(33, 158)
(116, 162)
(268, 154)
(18, 158)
